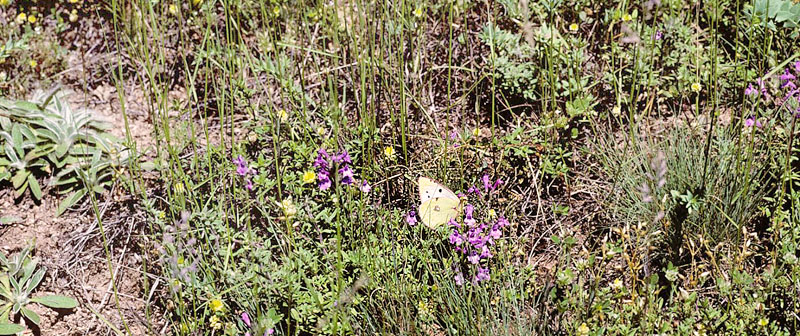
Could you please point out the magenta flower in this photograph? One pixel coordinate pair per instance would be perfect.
(658, 35)
(797, 67)
(750, 90)
(241, 166)
(322, 159)
(454, 134)
(485, 253)
(246, 319)
(486, 184)
(474, 258)
(411, 218)
(365, 187)
(269, 331)
(483, 275)
(455, 238)
(752, 121)
(342, 157)
(347, 175)
(249, 184)
(787, 78)
(324, 180)
(453, 223)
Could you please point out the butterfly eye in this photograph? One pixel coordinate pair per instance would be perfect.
(440, 189)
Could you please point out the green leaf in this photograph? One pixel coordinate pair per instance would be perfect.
(19, 178)
(31, 315)
(9, 220)
(36, 190)
(56, 301)
(70, 201)
(10, 329)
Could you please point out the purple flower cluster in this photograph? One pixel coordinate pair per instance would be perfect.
(326, 164)
(243, 170)
(474, 241)
(787, 83)
(488, 186)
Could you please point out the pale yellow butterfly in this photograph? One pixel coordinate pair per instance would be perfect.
(438, 205)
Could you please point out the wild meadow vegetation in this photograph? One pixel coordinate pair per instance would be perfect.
(624, 168)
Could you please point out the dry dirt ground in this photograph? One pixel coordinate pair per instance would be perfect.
(71, 246)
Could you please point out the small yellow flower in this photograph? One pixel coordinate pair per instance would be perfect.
(5, 2)
(276, 10)
(216, 305)
(73, 1)
(161, 215)
(32, 18)
(172, 9)
(389, 152)
(616, 110)
(626, 18)
(617, 284)
(418, 12)
(583, 330)
(21, 17)
(320, 130)
(309, 177)
(215, 323)
(573, 27)
(179, 188)
(492, 213)
(696, 87)
(33, 63)
(283, 115)
(763, 322)
(196, 2)
(73, 16)
(476, 132)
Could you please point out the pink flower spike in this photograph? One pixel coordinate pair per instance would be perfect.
(269, 331)
(486, 183)
(246, 319)
(797, 67)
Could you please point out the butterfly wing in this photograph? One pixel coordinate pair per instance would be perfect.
(438, 205)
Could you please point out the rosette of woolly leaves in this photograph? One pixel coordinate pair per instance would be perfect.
(19, 277)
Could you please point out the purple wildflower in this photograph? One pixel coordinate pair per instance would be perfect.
(483, 274)
(455, 238)
(787, 78)
(752, 121)
(658, 35)
(459, 278)
(453, 135)
(269, 331)
(342, 157)
(241, 166)
(497, 183)
(324, 180)
(474, 258)
(453, 223)
(365, 187)
(347, 175)
(797, 67)
(502, 222)
(249, 184)
(411, 218)
(495, 232)
(246, 319)
(486, 184)
(322, 159)
(485, 253)
(750, 90)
